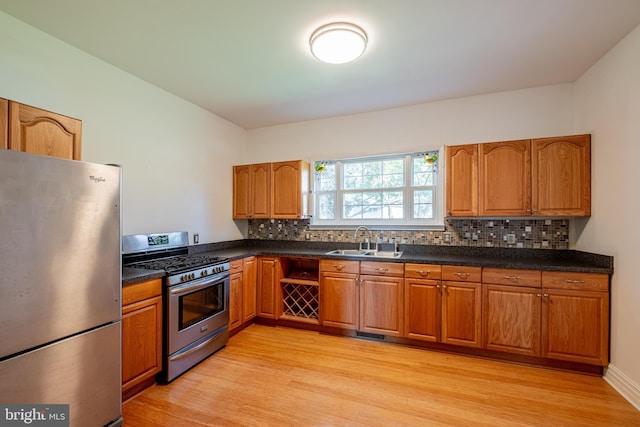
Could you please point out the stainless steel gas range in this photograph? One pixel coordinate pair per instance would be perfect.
(195, 297)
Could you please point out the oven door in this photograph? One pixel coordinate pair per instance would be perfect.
(196, 309)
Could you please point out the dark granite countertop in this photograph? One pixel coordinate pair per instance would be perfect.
(135, 275)
(526, 259)
(531, 259)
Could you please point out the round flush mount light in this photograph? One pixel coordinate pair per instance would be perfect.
(338, 42)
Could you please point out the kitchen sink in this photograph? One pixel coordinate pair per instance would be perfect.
(366, 253)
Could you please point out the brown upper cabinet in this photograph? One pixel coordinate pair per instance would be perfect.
(37, 131)
(561, 176)
(290, 189)
(277, 190)
(504, 171)
(4, 123)
(462, 180)
(252, 191)
(539, 177)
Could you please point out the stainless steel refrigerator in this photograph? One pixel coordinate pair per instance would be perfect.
(60, 286)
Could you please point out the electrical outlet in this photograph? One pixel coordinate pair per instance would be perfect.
(196, 238)
(446, 237)
(511, 239)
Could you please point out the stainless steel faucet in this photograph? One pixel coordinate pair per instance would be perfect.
(367, 239)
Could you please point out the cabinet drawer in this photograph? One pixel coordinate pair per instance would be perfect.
(579, 281)
(461, 274)
(500, 276)
(382, 268)
(423, 271)
(235, 266)
(340, 266)
(141, 291)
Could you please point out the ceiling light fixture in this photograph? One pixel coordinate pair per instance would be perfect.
(338, 42)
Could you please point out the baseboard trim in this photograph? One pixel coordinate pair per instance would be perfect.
(623, 385)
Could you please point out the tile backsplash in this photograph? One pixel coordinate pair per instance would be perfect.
(497, 233)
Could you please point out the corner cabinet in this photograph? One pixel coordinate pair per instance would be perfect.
(33, 130)
(141, 335)
(561, 176)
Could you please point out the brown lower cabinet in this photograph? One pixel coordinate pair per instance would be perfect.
(242, 292)
(267, 283)
(547, 315)
(555, 315)
(363, 296)
(141, 335)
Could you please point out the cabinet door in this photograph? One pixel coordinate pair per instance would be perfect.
(381, 304)
(242, 191)
(575, 326)
(462, 180)
(141, 341)
(461, 313)
(505, 178)
(267, 280)
(290, 189)
(37, 131)
(235, 300)
(249, 290)
(422, 309)
(339, 300)
(4, 123)
(511, 319)
(561, 176)
(260, 190)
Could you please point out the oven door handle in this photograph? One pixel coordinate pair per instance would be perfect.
(194, 349)
(194, 286)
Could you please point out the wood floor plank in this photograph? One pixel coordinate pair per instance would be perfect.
(275, 376)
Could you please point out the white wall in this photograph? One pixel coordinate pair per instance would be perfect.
(176, 156)
(607, 104)
(538, 112)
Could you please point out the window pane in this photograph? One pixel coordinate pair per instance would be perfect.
(327, 179)
(326, 206)
(353, 183)
(423, 204)
(393, 181)
(422, 172)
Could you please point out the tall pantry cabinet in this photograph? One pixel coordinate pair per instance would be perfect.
(33, 130)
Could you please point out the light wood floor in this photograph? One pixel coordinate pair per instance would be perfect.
(270, 376)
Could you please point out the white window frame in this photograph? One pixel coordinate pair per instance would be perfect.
(435, 223)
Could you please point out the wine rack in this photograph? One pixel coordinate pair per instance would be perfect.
(300, 295)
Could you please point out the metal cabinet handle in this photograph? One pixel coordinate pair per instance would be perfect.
(382, 270)
(512, 278)
(465, 275)
(574, 281)
(444, 286)
(545, 295)
(538, 295)
(423, 272)
(235, 266)
(438, 286)
(339, 267)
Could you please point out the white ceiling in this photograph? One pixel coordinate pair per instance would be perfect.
(248, 60)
